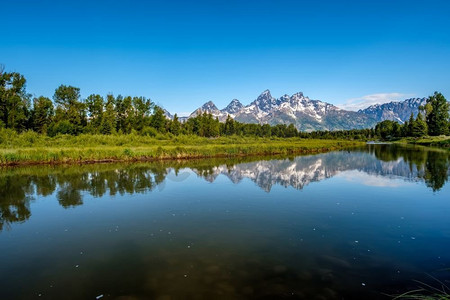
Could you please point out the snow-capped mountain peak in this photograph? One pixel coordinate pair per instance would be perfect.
(232, 108)
(265, 101)
(209, 106)
(307, 114)
(399, 111)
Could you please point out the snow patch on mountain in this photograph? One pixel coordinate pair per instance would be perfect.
(308, 114)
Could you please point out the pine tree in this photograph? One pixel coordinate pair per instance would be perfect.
(438, 117)
(158, 119)
(229, 126)
(419, 127)
(410, 125)
(175, 125)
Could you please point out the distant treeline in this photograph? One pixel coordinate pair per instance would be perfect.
(432, 119)
(69, 114)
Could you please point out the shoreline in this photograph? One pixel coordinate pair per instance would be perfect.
(103, 155)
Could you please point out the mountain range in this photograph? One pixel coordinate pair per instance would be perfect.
(307, 114)
(303, 170)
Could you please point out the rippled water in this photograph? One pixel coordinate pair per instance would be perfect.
(354, 224)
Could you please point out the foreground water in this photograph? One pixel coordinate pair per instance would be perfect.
(341, 225)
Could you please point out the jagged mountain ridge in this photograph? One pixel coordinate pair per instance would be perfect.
(309, 115)
(395, 111)
(303, 170)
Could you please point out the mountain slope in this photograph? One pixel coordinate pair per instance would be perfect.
(309, 115)
(394, 111)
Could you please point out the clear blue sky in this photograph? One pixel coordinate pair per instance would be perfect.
(184, 53)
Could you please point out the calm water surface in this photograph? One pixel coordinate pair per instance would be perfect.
(354, 224)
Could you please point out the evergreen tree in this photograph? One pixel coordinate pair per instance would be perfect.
(175, 125)
(419, 127)
(404, 129)
(158, 119)
(229, 126)
(266, 130)
(437, 117)
(396, 130)
(291, 131)
(410, 125)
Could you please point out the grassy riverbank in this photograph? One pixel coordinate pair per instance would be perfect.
(31, 148)
(432, 141)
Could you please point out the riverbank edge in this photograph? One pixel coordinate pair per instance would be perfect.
(438, 142)
(105, 154)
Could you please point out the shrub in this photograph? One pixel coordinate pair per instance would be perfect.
(149, 131)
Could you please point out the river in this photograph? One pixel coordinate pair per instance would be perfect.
(355, 224)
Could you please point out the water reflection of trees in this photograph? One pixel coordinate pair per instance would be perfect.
(19, 186)
(14, 200)
(432, 164)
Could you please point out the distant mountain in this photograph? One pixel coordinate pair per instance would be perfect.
(209, 107)
(307, 114)
(302, 170)
(304, 113)
(394, 111)
(167, 114)
(233, 108)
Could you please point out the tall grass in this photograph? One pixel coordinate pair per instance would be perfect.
(425, 291)
(441, 141)
(30, 147)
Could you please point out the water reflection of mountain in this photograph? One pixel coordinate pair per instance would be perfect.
(19, 186)
(409, 164)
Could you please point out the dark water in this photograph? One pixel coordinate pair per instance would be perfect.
(355, 224)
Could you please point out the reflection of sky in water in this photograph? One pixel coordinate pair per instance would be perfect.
(334, 225)
(359, 177)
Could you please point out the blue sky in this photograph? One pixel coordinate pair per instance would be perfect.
(184, 53)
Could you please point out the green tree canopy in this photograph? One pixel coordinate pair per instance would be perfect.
(437, 117)
(42, 114)
(14, 101)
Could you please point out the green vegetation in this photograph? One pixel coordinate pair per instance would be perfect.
(432, 141)
(69, 182)
(424, 291)
(68, 114)
(30, 147)
(432, 119)
(70, 129)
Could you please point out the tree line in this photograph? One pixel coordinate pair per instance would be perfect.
(67, 113)
(432, 119)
